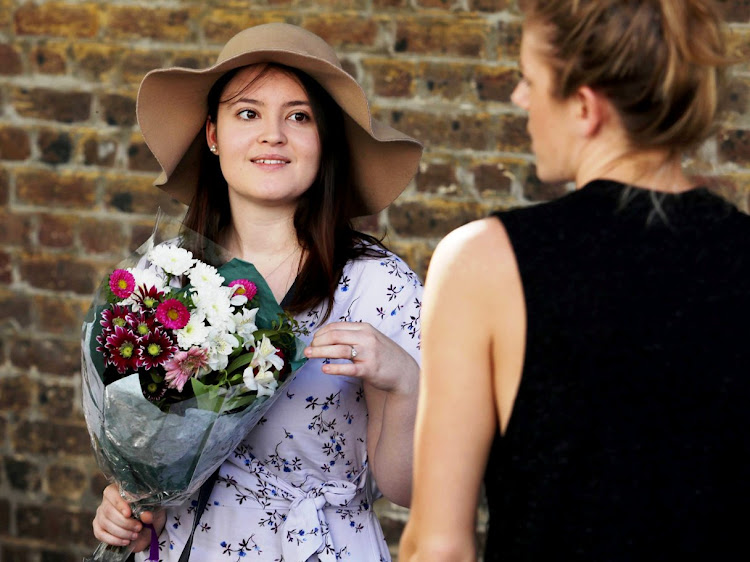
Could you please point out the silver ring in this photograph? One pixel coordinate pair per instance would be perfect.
(353, 352)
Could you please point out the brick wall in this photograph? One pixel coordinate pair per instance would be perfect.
(75, 194)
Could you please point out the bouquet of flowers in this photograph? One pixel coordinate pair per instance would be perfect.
(180, 359)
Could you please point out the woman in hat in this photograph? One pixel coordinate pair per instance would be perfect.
(607, 397)
(274, 150)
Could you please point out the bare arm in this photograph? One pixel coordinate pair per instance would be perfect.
(473, 313)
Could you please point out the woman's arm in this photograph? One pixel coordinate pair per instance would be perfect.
(472, 313)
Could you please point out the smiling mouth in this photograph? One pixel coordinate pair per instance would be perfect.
(269, 161)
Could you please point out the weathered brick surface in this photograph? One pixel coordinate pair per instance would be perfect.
(76, 193)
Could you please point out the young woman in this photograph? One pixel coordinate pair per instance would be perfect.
(591, 353)
(275, 150)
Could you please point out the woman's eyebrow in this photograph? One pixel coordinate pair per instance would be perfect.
(251, 101)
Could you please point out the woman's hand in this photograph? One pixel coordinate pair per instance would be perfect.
(114, 524)
(373, 357)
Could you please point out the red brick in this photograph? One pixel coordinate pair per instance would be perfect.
(55, 147)
(90, 233)
(52, 105)
(23, 475)
(734, 146)
(55, 401)
(369, 224)
(54, 315)
(341, 30)
(15, 309)
(431, 219)
(509, 40)
(536, 190)
(48, 523)
(117, 110)
(136, 64)
(140, 158)
(4, 187)
(490, 5)
(511, 135)
(15, 229)
(99, 151)
(49, 59)
(6, 270)
(492, 180)
(738, 96)
(133, 194)
(447, 80)
(66, 482)
(391, 78)
(72, 190)
(37, 437)
(4, 516)
(735, 10)
(14, 143)
(47, 355)
(57, 19)
(131, 22)
(496, 84)
(96, 62)
(10, 60)
(445, 131)
(438, 178)
(57, 231)
(448, 36)
(389, 3)
(18, 394)
(59, 273)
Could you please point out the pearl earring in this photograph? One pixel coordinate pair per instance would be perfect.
(214, 149)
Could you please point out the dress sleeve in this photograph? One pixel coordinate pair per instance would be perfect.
(388, 295)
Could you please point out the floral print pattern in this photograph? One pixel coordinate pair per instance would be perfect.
(298, 487)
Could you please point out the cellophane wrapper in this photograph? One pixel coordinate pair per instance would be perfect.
(160, 459)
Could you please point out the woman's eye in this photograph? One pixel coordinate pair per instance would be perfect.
(299, 117)
(247, 114)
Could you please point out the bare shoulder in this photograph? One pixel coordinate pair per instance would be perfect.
(478, 251)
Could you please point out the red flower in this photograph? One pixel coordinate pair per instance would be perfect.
(122, 346)
(111, 317)
(141, 324)
(122, 283)
(148, 299)
(244, 288)
(155, 348)
(173, 314)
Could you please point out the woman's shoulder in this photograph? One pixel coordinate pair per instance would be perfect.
(376, 265)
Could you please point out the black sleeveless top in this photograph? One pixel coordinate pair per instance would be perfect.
(630, 434)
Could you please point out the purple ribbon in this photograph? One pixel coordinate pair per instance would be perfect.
(153, 553)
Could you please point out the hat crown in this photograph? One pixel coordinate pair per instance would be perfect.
(278, 37)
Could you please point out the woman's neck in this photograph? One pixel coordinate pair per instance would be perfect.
(650, 169)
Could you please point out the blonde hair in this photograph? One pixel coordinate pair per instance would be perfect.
(659, 62)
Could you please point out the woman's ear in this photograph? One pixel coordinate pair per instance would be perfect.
(211, 135)
(592, 111)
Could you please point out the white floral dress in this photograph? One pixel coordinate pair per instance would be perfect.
(298, 487)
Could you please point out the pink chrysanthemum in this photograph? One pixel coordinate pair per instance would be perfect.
(186, 364)
(122, 283)
(122, 348)
(111, 317)
(244, 288)
(173, 314)
(155, 349)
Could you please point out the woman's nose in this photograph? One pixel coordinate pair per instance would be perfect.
(273, 132)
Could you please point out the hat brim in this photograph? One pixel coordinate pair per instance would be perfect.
(172, 111)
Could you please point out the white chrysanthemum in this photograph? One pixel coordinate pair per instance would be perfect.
(172, 259)
(220, 346)
(216, 307)
(244, 322)
(194, 333)
(204, 276)
(265, 355)
(264, 382)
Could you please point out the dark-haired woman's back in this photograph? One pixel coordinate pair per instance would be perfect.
(627, 439)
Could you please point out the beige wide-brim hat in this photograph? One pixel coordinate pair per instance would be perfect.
(172, 111)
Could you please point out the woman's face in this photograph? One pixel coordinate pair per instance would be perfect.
(549, 119)
(266, 138)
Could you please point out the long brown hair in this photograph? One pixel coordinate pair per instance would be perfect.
(660, 62)
(321, 219)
